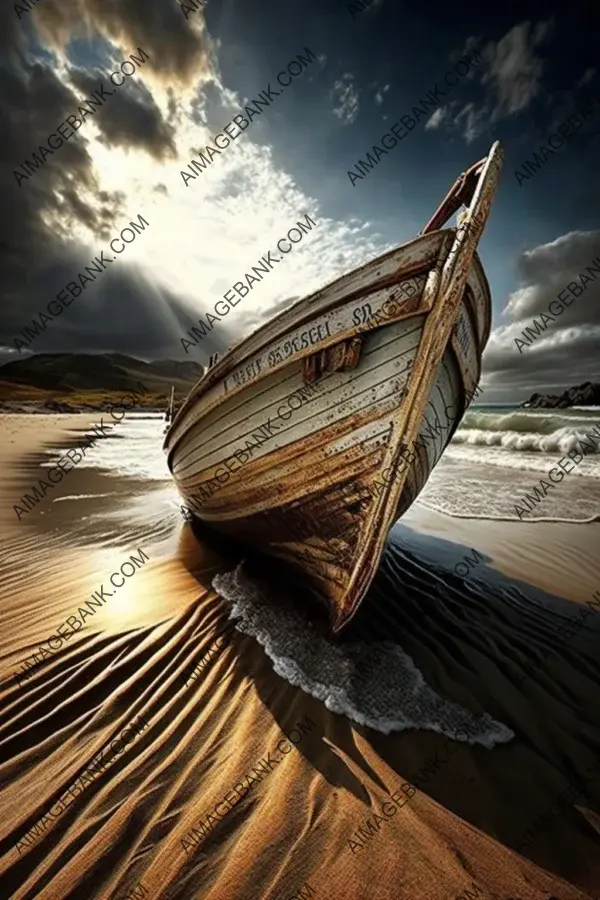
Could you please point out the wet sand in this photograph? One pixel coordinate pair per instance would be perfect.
(539, 552)
(471, 637)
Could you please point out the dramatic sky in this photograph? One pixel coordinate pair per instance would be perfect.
(538, 67)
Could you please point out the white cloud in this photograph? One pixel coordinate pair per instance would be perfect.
(542, 30)
(511, 72)
(204, 237)
(436, 118)
(515, 69)
(586, 77)
(365, 9)
(473, 121)
(379, 94)
(346, 96)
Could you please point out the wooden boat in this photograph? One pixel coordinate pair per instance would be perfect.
(373, 361)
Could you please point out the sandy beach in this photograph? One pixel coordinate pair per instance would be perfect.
(239, 785)
(300, 457)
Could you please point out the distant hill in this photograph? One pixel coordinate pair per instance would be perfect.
(80, 378)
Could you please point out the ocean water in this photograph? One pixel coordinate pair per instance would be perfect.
(497, 456)
(500, 453)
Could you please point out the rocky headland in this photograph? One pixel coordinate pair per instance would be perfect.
(586, 394)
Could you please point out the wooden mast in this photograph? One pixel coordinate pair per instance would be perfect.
(169, 414)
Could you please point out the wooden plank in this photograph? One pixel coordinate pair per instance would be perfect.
(436, 333)
(311, 485)
(369, 389)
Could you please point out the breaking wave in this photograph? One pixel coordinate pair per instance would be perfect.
(488, 466)
(546, 432)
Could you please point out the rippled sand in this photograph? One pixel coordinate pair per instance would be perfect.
(141, 815)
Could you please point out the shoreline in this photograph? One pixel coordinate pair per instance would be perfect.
(19, 409)
(473, 806)
(537, 545)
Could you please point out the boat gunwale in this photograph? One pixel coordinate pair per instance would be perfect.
(448, 292)
(297, 422)
(224, 366)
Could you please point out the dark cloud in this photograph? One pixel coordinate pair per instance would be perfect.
(547, 269)
(38, 254)
(151, 319)
(131, 118)
(33, 102)
(568, 341)
(176, 47)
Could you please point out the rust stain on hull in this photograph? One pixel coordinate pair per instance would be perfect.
(337, 358)
(319, 535)
(318, 501)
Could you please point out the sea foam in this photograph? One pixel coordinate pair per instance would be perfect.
(373, 683)
(542, 432)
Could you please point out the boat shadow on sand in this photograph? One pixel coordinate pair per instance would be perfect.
(492, 651)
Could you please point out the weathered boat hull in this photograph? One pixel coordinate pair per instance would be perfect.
(312, 436)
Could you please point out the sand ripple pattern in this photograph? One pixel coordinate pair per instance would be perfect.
(125, 826)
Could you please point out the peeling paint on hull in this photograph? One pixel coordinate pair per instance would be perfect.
(313, 492)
